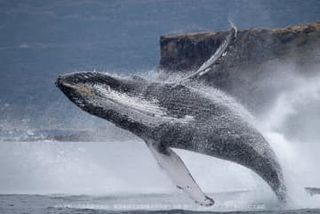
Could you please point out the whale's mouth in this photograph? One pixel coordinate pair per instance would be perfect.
(80, 87)
(87, 78)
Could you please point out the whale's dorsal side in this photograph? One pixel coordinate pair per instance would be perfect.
(172, 164)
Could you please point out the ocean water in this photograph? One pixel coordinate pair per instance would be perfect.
(55, 158)
(154, 203)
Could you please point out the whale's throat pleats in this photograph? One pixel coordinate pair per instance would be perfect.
(133, 107)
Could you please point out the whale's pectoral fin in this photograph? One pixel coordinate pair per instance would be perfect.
(178, 172)
(220, 52)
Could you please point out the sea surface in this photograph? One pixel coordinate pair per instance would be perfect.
(152, 203)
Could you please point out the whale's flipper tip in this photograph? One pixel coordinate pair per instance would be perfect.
(207, 202)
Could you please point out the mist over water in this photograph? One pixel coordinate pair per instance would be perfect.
(291, 128)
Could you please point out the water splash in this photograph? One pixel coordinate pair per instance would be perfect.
(119, 167)
(298, 156)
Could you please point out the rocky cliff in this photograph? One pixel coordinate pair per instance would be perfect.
(253, 61)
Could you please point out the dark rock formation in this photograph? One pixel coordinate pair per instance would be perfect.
(257, 56)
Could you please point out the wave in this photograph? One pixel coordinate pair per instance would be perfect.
(61, 135)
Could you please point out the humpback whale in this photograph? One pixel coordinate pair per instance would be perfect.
(179, 115)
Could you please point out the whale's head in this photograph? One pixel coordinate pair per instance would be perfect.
(113, 98)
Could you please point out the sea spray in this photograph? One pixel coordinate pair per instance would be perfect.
(297, 156)
(114, 167)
